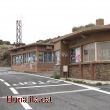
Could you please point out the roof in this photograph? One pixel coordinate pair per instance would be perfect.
(30, 45)
(95, 28)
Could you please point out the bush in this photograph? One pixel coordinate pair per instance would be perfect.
(99, 84)
(56, 75)
(80, 82)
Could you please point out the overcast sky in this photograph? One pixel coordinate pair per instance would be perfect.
(42, 19)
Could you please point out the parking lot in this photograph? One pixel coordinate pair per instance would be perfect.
(50, 94)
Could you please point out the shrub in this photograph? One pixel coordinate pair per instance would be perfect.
(99, 84)
(56, 75)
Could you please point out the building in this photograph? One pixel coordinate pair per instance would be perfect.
(32, 58)
(86, 52)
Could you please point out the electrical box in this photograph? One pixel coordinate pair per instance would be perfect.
(65, 68)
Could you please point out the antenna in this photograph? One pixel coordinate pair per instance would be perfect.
(18, 31)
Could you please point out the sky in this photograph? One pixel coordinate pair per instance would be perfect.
(43, 19)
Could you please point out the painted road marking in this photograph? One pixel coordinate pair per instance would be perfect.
(31, 83)
(2, 80)
(7, 84)
(102, 91)
(50, 93)
(42, 86)
(14, 90)
(80, 85)
(25, 105)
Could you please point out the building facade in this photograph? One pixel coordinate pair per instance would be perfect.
(32, 58)
(86, 52)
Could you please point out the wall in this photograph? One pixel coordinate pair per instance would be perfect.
(57, 45)
(102, 71)
(91, 37)
(57, 68)
(74, 71)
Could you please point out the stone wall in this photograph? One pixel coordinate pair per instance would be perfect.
(57, 69)
(74, 71)
(102, 71)
(87, 71)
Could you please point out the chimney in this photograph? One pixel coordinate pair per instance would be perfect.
(99, 21)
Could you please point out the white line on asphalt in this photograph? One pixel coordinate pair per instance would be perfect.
(102, 91)
(42, 86)
(81, 85)
(2, 80)
(50, 93)
(7, 84)
(14, 90)
(25, 105)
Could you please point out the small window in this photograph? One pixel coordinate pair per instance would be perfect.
(89, 52)
(75, 55)
(45, 57)
(57, 57)
(41, 56)
(32, 57)
(103, 51)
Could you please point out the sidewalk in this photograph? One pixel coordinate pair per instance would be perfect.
(92, 82)
(5, 68)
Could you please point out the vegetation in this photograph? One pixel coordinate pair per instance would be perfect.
(4, 42)
(81, 27)
(56, 75)
(48, 41)
(5, 59)
(99, 84)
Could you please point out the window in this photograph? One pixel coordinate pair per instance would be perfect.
(75, 55)
(41, 56)
(57, 57)
(32, 57)
(89, 52)
(103, 51)
(24, 58)
(45, 57)
(14, 59)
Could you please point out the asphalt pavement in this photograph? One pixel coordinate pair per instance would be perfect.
(25, 91)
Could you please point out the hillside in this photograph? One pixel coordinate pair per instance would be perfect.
(4, 53)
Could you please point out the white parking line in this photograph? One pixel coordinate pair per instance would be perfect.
(68, 82)
(42, 86)
(2, 80)
(102, 91)
(50, 93)
(7, 84)
(25, 105)
(14, 90)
